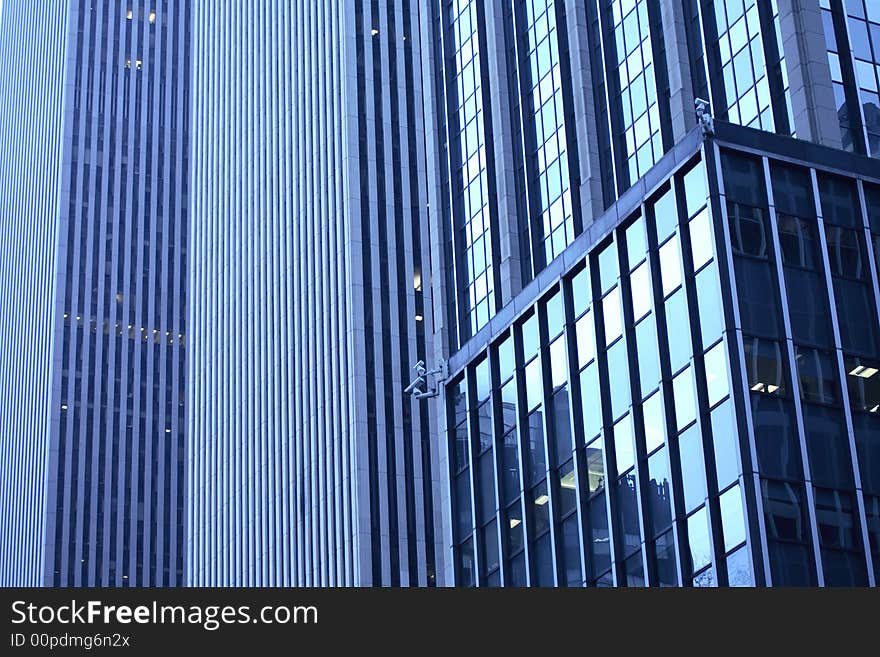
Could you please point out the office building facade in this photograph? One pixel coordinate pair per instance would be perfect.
(308, 465)
(660, 330)
(94, 197)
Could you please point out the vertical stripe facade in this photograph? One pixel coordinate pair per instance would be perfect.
(33, 44)
(112, 401)
(308, 464)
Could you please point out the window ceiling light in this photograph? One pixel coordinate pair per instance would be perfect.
(568, 481)
(863, 372)
(514, 522)
(374, 31)
(541, 500)
(419, 318)
(771, 389)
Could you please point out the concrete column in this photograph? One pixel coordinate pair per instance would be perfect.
(678, 58)
(809, 75)
(583, 94)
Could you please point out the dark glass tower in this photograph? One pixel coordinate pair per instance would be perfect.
(661, 333)
(94, 197)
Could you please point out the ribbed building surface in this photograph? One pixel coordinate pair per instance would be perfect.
(93, 194)
(30, 187)
(308, 465)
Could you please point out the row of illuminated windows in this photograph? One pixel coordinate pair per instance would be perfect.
(517, 468)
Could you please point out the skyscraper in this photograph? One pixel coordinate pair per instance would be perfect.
(94, 127)
(307, 463)
(661, 330)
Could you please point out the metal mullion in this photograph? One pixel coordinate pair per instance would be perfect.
(756, 537)
(607, 433)
(577, 430)
(516, 11)
(608, 111)
(773, 70)
(792, 365)
(702, 396)
(569, 128)
(712, 61)
(679, 515)
(841, 373)
(655, 21)
(547, 395)
(497, 437)
(641, 456)
(521, 421)
(473, 424)
(840, 21)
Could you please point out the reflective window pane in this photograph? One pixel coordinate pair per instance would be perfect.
(534, 386)
(609, 269)
(586, 342)
(535, 447)
(655, 424)
(640, 284)
(726, 444)
(695, 189)
(685, 401)
(678, 330)
(732, 518)
(670, 266)
(701, 239)
(659, 491)
(739, 568)
(590, 402)
(595, 459)
(618, 378)
(558, 363)
(698, 537)
(636, 242)
(623, 444)
(716, 373)
(665, 215)
(613, 318)
(693, 469)
(648, 354)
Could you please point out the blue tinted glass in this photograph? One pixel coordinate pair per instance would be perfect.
(701, 239)
(595, 458)
(724, 438)
(530, 337)
(535, 447)
(739, 568)
(640, 285)
(555, 315)
(679, 330)
(665, 215)
(623, 444)
(613, 317)
(608, 267)
(655, 426)
(506, 362)
(732, 519)
(698, 536)
(695, 189)
(592, 408)
(670, 266)
(709, 301)
(683, 396)
(659, 491)
(648, 355)
(534, 387)
(580, 291)
(693, 470)
(586, 340)
(618, 378)
(481, 378)
(716, 373)
(636, 242)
